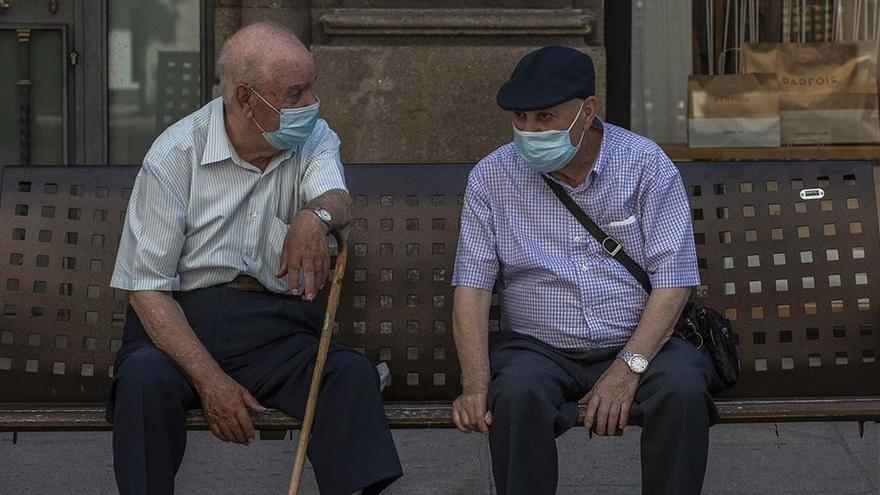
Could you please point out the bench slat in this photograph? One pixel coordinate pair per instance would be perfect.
(32, 417)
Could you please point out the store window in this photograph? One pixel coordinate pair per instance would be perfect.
(154, 68)
(661, 62)
(677, 38)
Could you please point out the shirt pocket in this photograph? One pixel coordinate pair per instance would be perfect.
(628, 232)
(272, 254)
(622, 223)
(277, 233)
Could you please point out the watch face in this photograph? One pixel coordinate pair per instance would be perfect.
(324, 215)
(638, 363)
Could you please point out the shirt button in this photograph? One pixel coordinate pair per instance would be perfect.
(247, 253)
(585, 267)
(577, 238)
(253, 214)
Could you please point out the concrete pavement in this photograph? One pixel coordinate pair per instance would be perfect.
(810, 458)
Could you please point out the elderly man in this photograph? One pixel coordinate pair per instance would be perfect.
(577, 326)
(224, 249)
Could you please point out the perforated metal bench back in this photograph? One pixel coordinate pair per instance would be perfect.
(61, 322)
(794, 275)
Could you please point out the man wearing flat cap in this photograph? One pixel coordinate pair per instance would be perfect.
(577, 326)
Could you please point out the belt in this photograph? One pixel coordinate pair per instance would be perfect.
(245, 282)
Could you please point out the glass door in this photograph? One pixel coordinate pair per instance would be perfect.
(96, 81)
(34, 90)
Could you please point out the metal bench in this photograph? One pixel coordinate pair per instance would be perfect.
(794, 275)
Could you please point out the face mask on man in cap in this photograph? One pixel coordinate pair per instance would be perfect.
(548, 151)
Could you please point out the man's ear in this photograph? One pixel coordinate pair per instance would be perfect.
(245, 100)
(591, 110)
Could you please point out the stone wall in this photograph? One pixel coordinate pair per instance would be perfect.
(401, 82)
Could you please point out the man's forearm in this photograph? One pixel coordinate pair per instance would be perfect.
(658, 320)
(338, 203)
(470, 327)
(166, 325)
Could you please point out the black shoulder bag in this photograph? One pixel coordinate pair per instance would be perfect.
(704, 327)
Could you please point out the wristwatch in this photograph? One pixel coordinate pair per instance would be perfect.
(637, 363)
(323, 215)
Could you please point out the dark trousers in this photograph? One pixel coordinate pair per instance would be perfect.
(533, 398)
(267, 343)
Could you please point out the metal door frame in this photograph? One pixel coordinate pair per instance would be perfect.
(24, 20)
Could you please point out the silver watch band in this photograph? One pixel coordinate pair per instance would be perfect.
(637, 363)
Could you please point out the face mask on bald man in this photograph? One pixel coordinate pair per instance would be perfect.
(295, 126)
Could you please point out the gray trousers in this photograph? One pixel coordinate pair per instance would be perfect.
(533, 398)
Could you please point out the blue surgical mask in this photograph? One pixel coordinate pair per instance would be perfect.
(547, 151)
(295, 126)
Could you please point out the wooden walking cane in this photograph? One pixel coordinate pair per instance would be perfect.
(320, 360)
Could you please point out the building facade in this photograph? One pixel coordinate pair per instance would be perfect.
(94, 81)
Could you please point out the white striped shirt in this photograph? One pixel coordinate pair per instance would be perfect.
(200, 216)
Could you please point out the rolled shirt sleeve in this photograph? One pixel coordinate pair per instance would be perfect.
(476, 262)
(153, 236)
(670, 254)
(323, 169)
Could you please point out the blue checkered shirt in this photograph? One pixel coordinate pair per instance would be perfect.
(555, 281)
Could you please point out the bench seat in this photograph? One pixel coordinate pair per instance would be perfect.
(436, 414)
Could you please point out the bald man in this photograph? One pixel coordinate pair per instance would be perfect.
(223, 251)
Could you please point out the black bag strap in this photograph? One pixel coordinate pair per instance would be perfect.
(609, 244)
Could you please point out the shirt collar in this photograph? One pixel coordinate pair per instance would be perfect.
(602, 154)
(598, 162)
(219, 148)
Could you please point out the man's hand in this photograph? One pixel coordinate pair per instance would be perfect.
(226, 403)
(469, 412)
(609, 400)
(306, 247)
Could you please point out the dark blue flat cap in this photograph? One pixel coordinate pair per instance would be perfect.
(548, 77)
